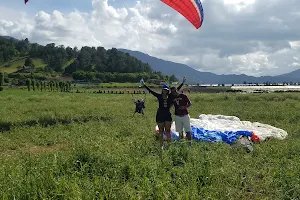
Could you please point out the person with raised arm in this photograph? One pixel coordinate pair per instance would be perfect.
(163, 113)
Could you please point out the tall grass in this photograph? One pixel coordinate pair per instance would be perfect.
(88, 146)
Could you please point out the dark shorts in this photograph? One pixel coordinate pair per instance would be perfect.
(163, 116)
(139, 110)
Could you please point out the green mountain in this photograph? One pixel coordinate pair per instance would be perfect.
(20, 59)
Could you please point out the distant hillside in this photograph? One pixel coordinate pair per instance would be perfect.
(20, 59)
(16, 64)
(195, 76)
(9, 37)
(111, 65)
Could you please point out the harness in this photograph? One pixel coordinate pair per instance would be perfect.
(139, 105)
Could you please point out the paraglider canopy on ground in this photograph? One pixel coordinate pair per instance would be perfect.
(228, 129)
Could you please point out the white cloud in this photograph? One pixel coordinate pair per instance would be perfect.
(247, 2)
(238, 36)
(9, 14)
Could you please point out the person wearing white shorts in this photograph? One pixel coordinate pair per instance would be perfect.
(182, 123)
(182, 117)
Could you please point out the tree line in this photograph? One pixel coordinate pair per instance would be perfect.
(120, 77)
(87, 63)
(35, 85)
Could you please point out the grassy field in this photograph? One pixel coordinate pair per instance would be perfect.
(88, 146)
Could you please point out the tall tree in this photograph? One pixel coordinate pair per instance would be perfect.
(1, 78)
(28, 62)
(33, 84)
(173, 78)
(37, 84)
(28, 84)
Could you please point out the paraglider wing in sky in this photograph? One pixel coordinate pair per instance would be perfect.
(192, 10)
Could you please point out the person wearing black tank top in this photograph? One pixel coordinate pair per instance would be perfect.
(163, 113)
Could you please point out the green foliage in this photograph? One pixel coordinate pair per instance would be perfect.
(173, 78)
(88, 63)
(68, 86)
(33, 84)
(21, 76)
(110, 77)
(28, 84)
(37, 84)
(1, 78)
(51, 85)
(57, 86)
(43, 85)
(28, 62)
(89, 59)
(7, 50)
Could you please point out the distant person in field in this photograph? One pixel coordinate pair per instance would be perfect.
(139, 105)
(182, 117)
(163, 114)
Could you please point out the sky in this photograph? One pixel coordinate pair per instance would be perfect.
(252, 37)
